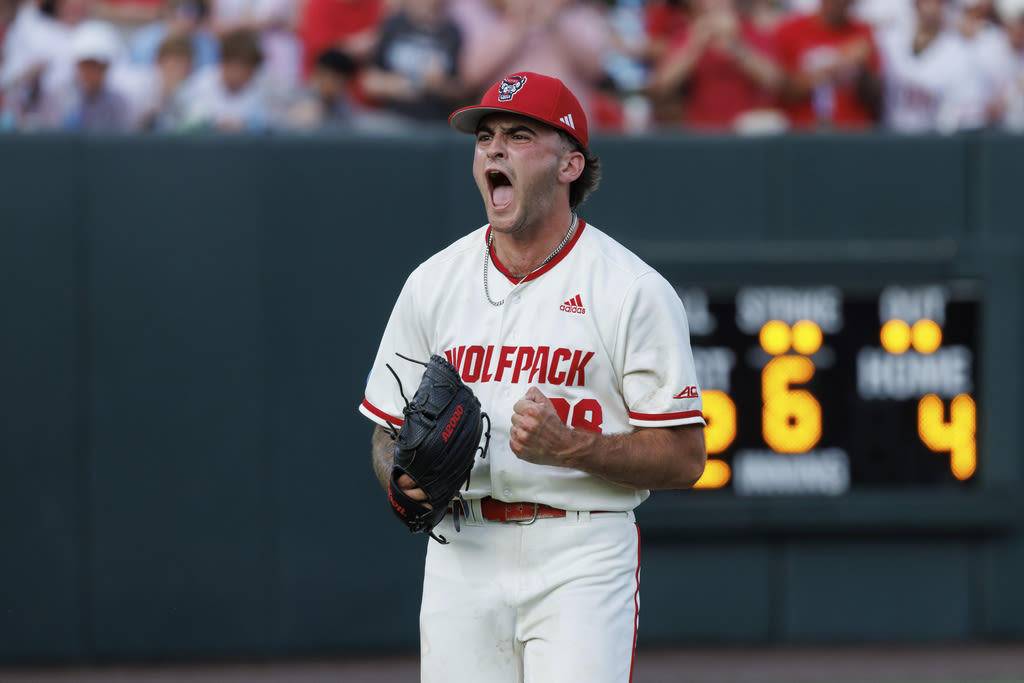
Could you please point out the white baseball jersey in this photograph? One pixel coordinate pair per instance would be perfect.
(935, 90)
(597, 330)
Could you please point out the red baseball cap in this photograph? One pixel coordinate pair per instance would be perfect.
(529, 94)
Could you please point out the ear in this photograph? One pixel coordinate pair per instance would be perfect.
(571, 167)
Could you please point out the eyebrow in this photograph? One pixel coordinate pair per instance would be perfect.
(508, 130)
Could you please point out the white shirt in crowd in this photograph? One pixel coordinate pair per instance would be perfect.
(206, 102)
(936, 90)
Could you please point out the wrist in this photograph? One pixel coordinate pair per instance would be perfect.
(580, 446)
(738, 49)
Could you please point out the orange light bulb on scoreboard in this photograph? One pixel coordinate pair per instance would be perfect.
(926, 336)
(775, 337)
(807, 337)
(896, 336)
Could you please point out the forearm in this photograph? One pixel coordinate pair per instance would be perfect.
(667, 458)
(383, 447)
(677, 68)
(756, 66)
(388, 85)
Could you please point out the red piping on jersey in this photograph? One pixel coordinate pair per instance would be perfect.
(661, 417)
(397, 421)
(636, 604)
(546, 267)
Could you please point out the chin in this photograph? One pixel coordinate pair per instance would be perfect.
(502, 222)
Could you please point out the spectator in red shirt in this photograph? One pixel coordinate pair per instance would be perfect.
(662, 20)
(833, 68)
(347, 25)
(722, 63)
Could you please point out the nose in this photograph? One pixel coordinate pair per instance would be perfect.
(496, 148)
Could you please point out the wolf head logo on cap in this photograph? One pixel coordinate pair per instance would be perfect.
(509, 87)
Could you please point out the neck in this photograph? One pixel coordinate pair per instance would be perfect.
(832, 20)
(925, 35)
(523, 254)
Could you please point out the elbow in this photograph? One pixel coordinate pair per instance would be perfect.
(692, 470)
(690, 457)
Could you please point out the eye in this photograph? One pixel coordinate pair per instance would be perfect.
(483, 137)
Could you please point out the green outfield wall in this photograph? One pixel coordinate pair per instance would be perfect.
(186, 325)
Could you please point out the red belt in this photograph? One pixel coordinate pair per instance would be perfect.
(499, 511)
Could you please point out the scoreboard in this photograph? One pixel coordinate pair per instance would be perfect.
(824, 389)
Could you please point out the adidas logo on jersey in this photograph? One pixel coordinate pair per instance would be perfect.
(573, 305)
(688, 392)
(567, 120)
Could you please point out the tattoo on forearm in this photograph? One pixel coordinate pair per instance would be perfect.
(383, 455)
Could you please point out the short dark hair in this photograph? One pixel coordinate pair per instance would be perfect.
(588, 181)
(179, 46)
(337, 62)
(241, 46)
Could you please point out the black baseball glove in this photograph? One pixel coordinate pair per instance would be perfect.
(436, 446)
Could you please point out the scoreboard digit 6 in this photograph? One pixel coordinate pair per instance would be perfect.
(823, 389)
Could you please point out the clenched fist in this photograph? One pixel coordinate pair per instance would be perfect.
(538, 434)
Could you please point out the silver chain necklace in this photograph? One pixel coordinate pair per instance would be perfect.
(487, 259)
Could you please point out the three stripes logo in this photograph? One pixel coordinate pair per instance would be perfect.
(567, 120)
(573, 305)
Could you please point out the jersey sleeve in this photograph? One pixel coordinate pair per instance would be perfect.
(404, 334)
(659, 380)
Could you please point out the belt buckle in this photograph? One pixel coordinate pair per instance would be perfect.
(528, 522)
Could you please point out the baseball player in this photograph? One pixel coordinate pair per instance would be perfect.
(579, 352)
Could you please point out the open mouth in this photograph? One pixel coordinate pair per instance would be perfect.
(501, 189)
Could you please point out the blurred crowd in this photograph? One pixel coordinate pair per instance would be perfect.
(746, 66)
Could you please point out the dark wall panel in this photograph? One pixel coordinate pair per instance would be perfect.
(868, 187)
(697, 190)
(877, 591)
(335, 261)
(183, 560)
(41, 532)
(706, 592)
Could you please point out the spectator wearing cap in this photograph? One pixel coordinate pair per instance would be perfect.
(36, 56)
(833, 69)
(92, 104)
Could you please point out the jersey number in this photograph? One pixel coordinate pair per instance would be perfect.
(585, 414)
